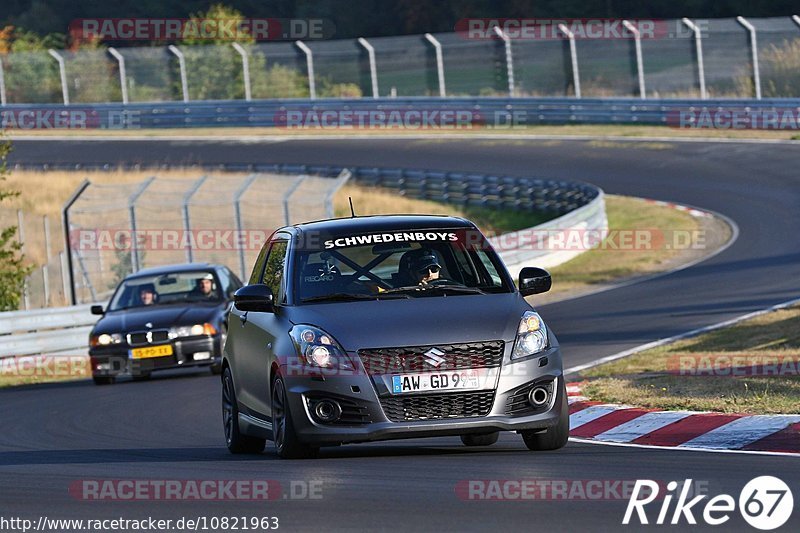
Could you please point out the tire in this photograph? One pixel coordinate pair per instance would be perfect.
(216, 369)
(486, 439)
(236, 441)
(287, 443)
(104, 380)
(556, 436)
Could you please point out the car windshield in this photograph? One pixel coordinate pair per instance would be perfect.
(400, 265)
(166, 289)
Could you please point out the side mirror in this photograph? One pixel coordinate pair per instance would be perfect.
(257, 298)
(533, 280)
(97, 310)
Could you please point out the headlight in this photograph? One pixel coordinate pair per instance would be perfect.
(192, 331)
(104, 339)
(317, 348)
(531, 336)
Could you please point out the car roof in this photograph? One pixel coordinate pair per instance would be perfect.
(367, 224)
(173, 269)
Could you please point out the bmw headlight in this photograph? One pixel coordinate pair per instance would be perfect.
(317, 348)
(192, 331)
(105, 339)
(531, 336)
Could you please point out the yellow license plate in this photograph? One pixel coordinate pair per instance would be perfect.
(151, 351)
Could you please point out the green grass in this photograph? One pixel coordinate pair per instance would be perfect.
(605, 265)
(652, 378)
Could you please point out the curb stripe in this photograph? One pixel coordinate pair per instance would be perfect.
(785, 440)
(685, 429)
(643, 425)
(743, 431)
(584, 416)
(607, 422)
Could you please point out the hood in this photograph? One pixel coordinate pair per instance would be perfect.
(416, 321)
(160, 316)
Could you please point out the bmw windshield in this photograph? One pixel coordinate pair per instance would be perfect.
(164, 289)
(400, 265)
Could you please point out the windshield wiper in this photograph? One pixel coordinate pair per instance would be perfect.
(458, 289)
(345, 296)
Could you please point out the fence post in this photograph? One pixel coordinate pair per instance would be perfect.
(187, 227)
(132, 213)
(2, 84)
(286, 196)
(573, 52)
(237, 213)
(754, 52)
(65, 283)
(373, 68)
(47, 249)
(509, 59)
(73, 297)
(182, 65)
(637, 40)
(245, 70)
(21, 238)
(312, 86)
(437, 46)
(123, 77)
(698, 42)
(341, 179)
(46, 284)
(62, 70)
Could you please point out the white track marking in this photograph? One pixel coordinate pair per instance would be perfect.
(679, 448)
(642, 425)
(584, 416)
(410, 136)
(742, 431)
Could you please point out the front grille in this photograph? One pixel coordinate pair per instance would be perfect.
(437, 406)
(518, 403)
(154, 336)
(379, 361)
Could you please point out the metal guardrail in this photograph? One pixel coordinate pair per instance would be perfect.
(477, 112)
(45, 330)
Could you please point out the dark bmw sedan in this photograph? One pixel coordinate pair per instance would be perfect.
(388, 327)
(164, 317)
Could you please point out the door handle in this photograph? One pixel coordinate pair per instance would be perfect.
(243, 318)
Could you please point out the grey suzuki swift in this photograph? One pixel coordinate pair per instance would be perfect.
(388, 327)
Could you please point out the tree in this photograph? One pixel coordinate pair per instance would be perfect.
(13, 269)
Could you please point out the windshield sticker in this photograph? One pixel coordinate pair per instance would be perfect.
(343, 242)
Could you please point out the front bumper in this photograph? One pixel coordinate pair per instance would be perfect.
(115, 359)
(367, 418)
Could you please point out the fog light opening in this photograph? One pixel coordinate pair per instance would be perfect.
(327, 411)
(538, 396)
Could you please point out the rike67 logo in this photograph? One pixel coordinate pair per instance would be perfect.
(765, 503)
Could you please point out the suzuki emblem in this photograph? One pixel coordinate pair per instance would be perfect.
(434, 357)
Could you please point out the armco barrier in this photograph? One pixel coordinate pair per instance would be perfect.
(45, 330)
(309, 115)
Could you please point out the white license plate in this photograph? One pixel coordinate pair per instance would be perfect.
(439, 381)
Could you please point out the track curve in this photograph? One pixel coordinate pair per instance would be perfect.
(169, 427)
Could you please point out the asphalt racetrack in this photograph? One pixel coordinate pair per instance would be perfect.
(169, 428)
